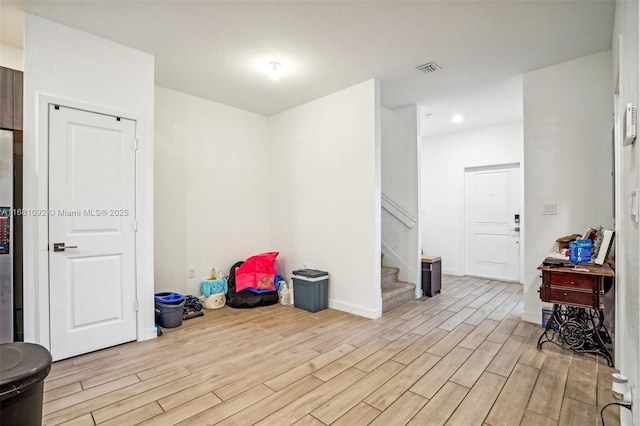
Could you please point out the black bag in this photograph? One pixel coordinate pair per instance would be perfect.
(245, 298)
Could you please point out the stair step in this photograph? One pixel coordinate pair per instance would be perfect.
(396, 288)
(388, 270)
(388, 276)
(396, 294)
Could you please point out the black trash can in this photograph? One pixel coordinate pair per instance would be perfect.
(431, 275)
(23, 368)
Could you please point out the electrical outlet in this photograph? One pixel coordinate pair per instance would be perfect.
(191, 273)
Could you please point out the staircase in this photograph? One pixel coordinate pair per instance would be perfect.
(394, 292)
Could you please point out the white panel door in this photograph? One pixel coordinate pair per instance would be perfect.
(91, 211)
(492, 204)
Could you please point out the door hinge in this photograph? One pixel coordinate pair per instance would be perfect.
(135, 144)
(135, 226)
(136, 306)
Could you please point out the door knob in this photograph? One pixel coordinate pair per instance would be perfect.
(61, 247)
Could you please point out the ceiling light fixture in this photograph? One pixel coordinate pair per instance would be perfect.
(457, 118)
(274, 70)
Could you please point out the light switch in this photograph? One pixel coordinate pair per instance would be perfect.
(550, 208)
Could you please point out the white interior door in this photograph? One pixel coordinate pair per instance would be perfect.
(91, 211)
(492, 215)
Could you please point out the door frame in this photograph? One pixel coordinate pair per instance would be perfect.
(36, 283)
(463, 216)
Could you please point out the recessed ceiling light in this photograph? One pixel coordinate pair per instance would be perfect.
(457, 118)
(274, 70)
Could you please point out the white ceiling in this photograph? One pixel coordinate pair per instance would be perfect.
(220, 50)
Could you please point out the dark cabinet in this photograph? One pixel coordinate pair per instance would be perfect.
(581, 287)
(431, 275)
(11, 82)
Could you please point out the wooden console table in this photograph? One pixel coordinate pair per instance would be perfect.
(577, 320)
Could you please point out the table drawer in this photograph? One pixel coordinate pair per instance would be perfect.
(577, 281)
(568, 297)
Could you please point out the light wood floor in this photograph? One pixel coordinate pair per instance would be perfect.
(460, 358)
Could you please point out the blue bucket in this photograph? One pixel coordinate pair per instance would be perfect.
(169, 298)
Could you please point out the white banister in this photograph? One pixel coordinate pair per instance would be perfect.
(397, 212)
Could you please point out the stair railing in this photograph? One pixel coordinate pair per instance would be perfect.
(398, 212)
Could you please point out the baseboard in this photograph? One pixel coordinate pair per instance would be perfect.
(535, 318)
(150, 333)
(407, 273)
(449, 271)
(356, 310)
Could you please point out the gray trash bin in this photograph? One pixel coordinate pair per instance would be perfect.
(23, 368)
(310, 289)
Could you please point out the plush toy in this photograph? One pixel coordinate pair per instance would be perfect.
(215, 301)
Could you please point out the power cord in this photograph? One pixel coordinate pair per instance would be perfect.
(626, 405)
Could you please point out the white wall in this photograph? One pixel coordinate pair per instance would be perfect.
(325, 199)
(444, 159)
(211, 188)
(627, 232)
(568, 159)
(400, 185)
(78, 67)
(11, 57)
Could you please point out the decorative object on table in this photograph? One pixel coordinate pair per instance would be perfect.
(580, 251)
(589, 234)
(596, 240)
(605, 247)
(563, 242)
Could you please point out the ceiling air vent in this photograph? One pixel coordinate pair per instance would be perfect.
(427, 68)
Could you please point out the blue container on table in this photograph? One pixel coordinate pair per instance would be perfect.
(580, 251)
